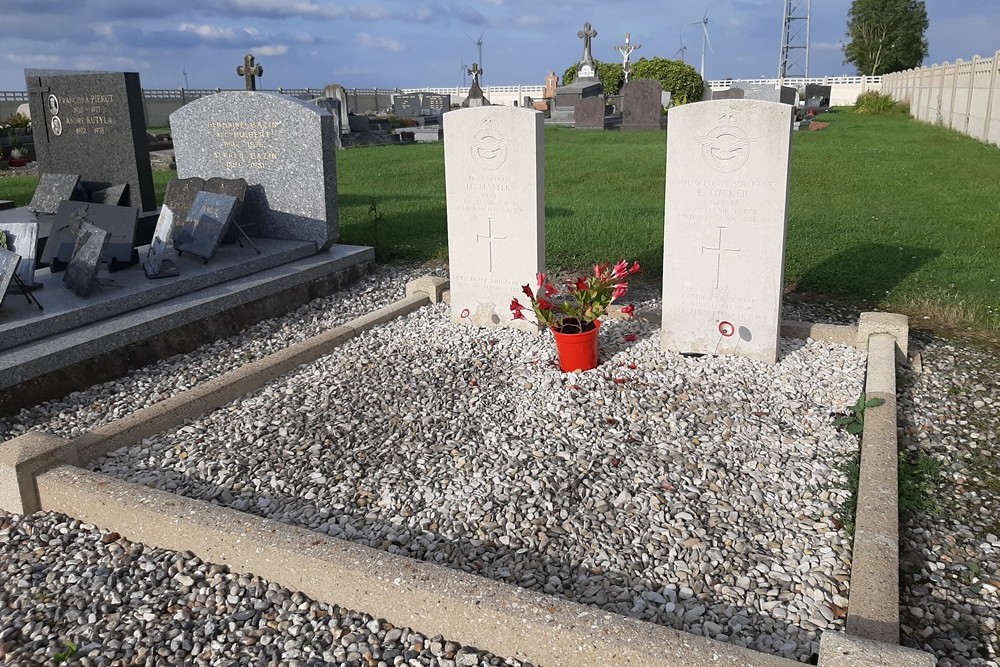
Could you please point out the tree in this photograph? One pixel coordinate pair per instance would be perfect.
(682, 80)
(886, 35)
(610, 74)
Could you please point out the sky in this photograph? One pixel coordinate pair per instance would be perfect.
(390, 44)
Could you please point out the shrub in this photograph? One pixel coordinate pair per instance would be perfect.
(17, 120)
(874, 102)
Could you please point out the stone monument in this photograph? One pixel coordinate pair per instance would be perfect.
(587, 84)
(724, 227)
(476, 97)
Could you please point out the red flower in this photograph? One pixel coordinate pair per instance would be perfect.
(620, 270)
(515, 306)
(635, 268)
(518, 315)
(527, 292)
(540, 277)
(630, 338)
(544, 304)
(629, 310)
(619, 291)
(550, 290)
(581, 284)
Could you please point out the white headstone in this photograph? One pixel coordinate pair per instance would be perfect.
(495, 184)
(724, 227)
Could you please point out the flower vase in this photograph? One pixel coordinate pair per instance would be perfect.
(577, 351)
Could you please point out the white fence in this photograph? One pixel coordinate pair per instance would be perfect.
(844, 90)
(498, 95)
(963, 95)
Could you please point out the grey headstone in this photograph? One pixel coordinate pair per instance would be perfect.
(180, 195)
(589, 113)
(81, 274)
(733, 93)
(53, 188)
(641, 109)
(407, 105)
(22, 238)
(8, 269)
(92, 124)
(118, 221)
(283, 147)
(206, 224)
(110, 196)
(814, 90)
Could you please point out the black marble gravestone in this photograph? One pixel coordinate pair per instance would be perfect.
(92, 124)
(53, 188)
(89, 246)
(22, 238)
(207, 222)
(118, 221)
(8, 269)
(179, 197)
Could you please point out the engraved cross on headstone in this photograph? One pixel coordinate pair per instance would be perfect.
(718, 257)
(586, 35)
(490, 238)
(626, 50)
(249, 71)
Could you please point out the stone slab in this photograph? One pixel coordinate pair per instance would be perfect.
(53, 188)
(22, 322)
(285, 148)
(837, 649)
(21, 460)
(641, 104)
(179, 196)
(92, 124)
(495, 188)
(81, 272)
(724, 227)
(22, 238)
(119, 221)
(206, 224)
(8, 269)
(589, 113)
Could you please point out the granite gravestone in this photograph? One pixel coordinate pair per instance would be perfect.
(733, 93)
(589, 113)
(783, 94)
(235, 187)
(407, 105)
(81, 273)
(8, 269)
(335, 91)
(155, 264)
(206, 224)
(724, 227)
(178, 197)
(118, 221)
(641, 108)
(285, 149)
(22, 238)
(92, 124)
(495, 187)
(53, 188)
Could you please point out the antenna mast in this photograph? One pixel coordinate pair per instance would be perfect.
(793, 61)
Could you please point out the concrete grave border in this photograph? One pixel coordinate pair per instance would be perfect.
(40, 471)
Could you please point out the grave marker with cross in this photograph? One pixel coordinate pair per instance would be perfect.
(490, 238)
(718, 249)
(249, 71)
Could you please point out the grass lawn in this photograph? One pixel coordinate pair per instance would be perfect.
(885, 212)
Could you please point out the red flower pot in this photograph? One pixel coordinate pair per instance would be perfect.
(577, 351)
(14, 162)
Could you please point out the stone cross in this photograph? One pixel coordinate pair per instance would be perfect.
(475, 72)
(626, 50)
(586, 35)
(249, 71)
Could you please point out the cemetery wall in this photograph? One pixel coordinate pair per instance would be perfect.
(844, 90)
(964, 95)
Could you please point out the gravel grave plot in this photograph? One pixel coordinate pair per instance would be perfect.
(77, 595)
(695, 492)
(950, 554)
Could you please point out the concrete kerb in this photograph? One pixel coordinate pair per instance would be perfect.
(498, 617)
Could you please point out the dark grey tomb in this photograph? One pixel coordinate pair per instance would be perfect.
(81, 273)
(118, 221)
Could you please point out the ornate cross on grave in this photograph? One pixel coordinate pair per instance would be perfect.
(586, 35)
(475, 73)
(249, 71)
(626, 50)
(490, 239)
(718, 257)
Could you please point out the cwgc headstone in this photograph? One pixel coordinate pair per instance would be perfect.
(118, 221)
(92, 124)
(81, 274)
(495, 185)
(155, 264)
(589, 113)
(207, 222)
(53, 188)
(724, 227)
(178, 197)
(8, 269)
(641, 109)
(284, 148)
(22, 238)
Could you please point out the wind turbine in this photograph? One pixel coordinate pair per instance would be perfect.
(683, 48)
(479, 44)
(705, 41)
(465, 73)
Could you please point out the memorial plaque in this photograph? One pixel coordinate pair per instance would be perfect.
(51, 189)
(236, 187)
(81, 273)
(180, 195)
(8, 269)
(284, 148)
(724, 227)
(495, 186)
(22, 238)
(92, 124)
(118, 221)
(207, 222)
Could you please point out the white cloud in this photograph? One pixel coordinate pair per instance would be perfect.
(271, 50)
(208, 31)
(377, 42)
(32, 59)
(826, 45)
